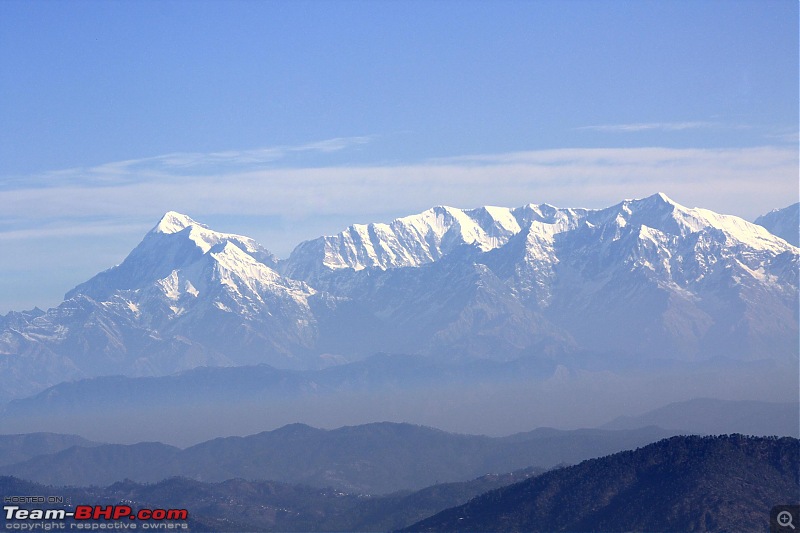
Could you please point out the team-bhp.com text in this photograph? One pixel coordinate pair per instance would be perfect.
(94, 517)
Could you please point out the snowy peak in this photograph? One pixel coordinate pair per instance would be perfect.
(174, 222)
(409, 241)
(672, 219)
(660, 199)
(656, 203)
(427, 237)
(446, 227)
(553, 218)
(496, 218)
(656, 211)
(175, 243)
(422, 238)
(232, 262)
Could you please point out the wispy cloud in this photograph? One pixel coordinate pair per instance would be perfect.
(242, 158)
(789, 136)
(185, 165)
(744, 181)
(75, 229)
(650, 126)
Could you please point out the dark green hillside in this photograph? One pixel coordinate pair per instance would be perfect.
(722, 483)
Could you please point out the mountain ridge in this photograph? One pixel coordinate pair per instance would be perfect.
(647, 277)
(380, 457)
(719, 483)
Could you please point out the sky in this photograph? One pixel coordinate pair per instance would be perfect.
(285, 120)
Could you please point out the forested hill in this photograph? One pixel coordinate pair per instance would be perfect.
(720, 483)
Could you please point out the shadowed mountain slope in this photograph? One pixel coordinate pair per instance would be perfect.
(721, 483)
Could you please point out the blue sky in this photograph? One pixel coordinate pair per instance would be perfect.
(285, 120)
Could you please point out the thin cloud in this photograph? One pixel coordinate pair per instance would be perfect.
(649, 126)
(743, 181)
(789, 136)
(179, 165)
(73, 230)
(243, 158)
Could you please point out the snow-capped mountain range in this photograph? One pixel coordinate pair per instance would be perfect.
(645, 278)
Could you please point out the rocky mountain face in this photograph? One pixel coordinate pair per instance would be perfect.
(646, 278)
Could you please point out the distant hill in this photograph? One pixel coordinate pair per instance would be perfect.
(785, 223)
(712, 416)
(721, 483)
(240, 505)
(372, 458)
(715, 484)
(17, 448)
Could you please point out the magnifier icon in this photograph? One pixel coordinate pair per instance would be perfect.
(785, 519)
